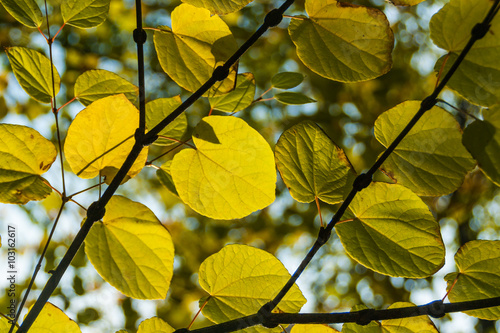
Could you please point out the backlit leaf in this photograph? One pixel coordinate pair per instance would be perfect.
(132, 250)
(53, 320)
(482, 139)
(159, 109)
(390, 230)
(219, 7)
(24, 156)
(342, 41)
(478, 77)
(26, 12)
(287, 80)
(99, 83)
(238, 99)
(165, 177)
(203, 39)
(312, 165)
(291, 97)
(84, 13)
(240, 279)
(32, 70)
(231, 172)
(420, 324)
(431, 159)
(312, 328)
(100, 138)
(478, 263)
(154, 325)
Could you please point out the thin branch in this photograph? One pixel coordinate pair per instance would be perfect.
(457, 109)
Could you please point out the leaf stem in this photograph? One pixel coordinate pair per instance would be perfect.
(199, 311)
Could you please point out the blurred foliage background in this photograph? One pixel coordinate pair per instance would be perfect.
(332, 282)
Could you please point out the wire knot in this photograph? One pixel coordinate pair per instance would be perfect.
(220, 73)
(436, 309)
(273, 18)
(140, 36)
(362, 181)
(323, 236)
(264, 314)
(182, 330)
(480, 30)
(95, 211)
(428, 103)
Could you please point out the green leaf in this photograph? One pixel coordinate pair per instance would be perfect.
(165, 177)
(32, 70)
(132, 250)
(24, 156)
(406, 2)
(53, 320)
(390, 230)
(231, 172)
(240, 279)
(287, 80)
(241, 97)
(478, 77)
(431, 159)
(312, 165)
(482, 140)
(84, 13)
(26, 12)
(155, 325)
(477, 278)
(100, 138)
(219, 7)
(342, 41)
(159, 109)
(99, 83)
(206, 41)
(291, 97)
(312, 328)
(420, 324)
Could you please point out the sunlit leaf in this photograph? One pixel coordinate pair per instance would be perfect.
(203, 39)
(33, 72)
(342, 41)
(84, 13)
(231, 172)
(95, 84)
(53, 320)
(154, 325)
(482, 139)
(431, 159)
(478, 263)
(287, 80)
(478, 77)
(159, 109)
(406, 2)
(312, 165)
(240, 279)
(132, 250)
(420, 324)
(26, 12)
(312, 328)
(238, 99)
(165, 177)
(100, 138)
(24, 156)
(219, 7)
(390, 230)
(291, 97)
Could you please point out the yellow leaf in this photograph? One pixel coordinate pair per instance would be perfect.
(101, 137)
(240, 280)
(53, 320)
(231, 172)
(25, 155)
(154, 325)
(203, 39)
(132, 250)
